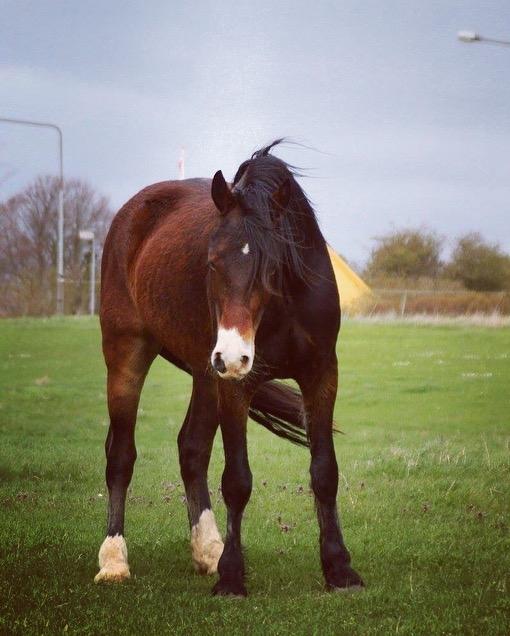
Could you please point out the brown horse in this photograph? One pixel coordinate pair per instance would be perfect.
(232, 284)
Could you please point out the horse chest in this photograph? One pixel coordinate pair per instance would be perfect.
(285, 346)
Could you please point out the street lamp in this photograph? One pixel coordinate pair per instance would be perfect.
(87, 235)
(472, 36)
(60, 223)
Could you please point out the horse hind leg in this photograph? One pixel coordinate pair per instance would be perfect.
(195, 444)
(127, 359)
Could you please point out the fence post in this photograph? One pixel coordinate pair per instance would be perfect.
(403, 302)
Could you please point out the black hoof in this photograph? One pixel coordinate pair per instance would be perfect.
(345, 579)
(229, 588)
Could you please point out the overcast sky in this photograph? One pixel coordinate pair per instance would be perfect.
(413, 127)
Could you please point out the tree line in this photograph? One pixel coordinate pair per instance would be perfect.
(28, 245)
(28, 248)
(412, 254)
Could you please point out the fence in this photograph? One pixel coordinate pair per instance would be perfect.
(33, 297)
(404, 302)
(30, 298)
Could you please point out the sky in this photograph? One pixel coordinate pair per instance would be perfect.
(403, 125)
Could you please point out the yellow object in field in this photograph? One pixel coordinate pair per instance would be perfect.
(354, 292)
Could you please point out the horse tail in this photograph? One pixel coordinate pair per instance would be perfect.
(279, 408)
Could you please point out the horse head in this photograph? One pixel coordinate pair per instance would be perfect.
(239, 285)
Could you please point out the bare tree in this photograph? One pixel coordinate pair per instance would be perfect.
(28, 244)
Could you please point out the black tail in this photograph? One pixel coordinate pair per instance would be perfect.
(279, 408)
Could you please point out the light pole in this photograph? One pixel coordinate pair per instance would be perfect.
(472, 36)
(87, 235)
(180, 164)
(60, 222)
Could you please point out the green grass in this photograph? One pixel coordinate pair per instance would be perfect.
(425, 493)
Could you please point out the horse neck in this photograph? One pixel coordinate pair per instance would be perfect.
(310, 234)
(312, 251)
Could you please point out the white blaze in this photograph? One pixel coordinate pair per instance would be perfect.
(246, 249)
(232, 347)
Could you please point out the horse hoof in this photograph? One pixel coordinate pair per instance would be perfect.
(113, 574)
(206, 544)
(345, 580)
(206, 562)
(351, 589)
(229, 588)
(113, 562)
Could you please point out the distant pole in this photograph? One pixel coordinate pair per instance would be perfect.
(88, 235)
(180, 164)
(472, 36)
(60, 222)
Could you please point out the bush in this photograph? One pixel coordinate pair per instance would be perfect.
(479, 265)
(406, 254)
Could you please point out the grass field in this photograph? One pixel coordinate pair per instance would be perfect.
(425, 494)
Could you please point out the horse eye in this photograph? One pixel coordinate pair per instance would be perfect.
(211, 266)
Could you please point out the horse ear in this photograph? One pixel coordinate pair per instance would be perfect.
(281, 196)
(221, 194)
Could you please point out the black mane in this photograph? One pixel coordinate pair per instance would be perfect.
(279, 236)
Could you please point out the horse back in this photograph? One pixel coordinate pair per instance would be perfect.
(154, 245)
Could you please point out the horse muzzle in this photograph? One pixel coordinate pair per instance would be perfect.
(232, 357)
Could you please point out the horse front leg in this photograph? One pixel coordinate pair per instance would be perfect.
(195, 444)
(236, 486)
(319, 394)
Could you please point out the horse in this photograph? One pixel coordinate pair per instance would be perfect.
(231, 283)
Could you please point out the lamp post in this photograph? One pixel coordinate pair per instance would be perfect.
(472, 36)
(88, 235)
(60, 222)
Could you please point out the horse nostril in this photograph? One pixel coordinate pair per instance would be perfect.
(245, 359)
(218, 363)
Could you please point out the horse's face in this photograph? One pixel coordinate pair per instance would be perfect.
(235, 296)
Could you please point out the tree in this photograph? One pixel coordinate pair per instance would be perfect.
(479, 265)
(406, 253)
(28, 243)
